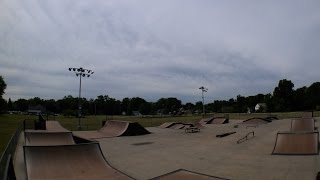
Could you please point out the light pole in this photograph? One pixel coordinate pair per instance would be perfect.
(81, 72)
(203, 89)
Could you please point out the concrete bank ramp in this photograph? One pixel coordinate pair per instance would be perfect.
(114, 128)
(78, 162)
(55, 126)
(41, 138)
(205, 120)
(304, 124)
(177, 126)
(256, 121)
(218, 120)
(185, 175)
(167, 124)
(296, 143)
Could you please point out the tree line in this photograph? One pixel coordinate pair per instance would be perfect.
(283, 99)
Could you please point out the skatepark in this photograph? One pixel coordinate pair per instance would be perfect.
(252, 149)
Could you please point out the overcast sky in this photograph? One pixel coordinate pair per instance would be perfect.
(160, 48)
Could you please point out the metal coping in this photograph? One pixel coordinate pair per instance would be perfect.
(175, 171)
(75, 145)
(297, 132)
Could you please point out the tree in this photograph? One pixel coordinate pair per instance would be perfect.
(282, 95)
(241, 107)
(21, 104)
(299, 99)
(3, 86)
(3, 103)
(10, 105)
(166, 105)
(313, 96)
(125, 106)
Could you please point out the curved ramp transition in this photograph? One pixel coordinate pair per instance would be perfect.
(55, 126)
(115, 128)
(167, 124)
(306, 124)
(33, 138)
(296, 143)
(79, 162)
(256, 121)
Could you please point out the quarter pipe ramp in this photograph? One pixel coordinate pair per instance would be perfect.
(306, 124)
(33, 138)
(296, 143)
(114, 129)
(81, 161)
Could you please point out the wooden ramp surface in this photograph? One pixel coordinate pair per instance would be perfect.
(296, 143)
(79, 162)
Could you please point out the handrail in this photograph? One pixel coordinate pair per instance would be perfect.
(246, 137)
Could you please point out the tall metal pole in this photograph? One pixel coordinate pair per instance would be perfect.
(202, 103)
(79, 105)
(203, 89)
(82, 73)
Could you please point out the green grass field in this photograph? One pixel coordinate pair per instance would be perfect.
(9, 123)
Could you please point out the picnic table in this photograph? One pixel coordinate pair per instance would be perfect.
(192, 130)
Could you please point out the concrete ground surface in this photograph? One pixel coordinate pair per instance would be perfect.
(166, 150)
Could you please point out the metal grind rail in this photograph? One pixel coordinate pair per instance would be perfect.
(247, 137)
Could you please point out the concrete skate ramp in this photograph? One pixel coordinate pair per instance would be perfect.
(256, 121)
(218, 120)
(167, 124)
(33, 138)
(79, 162)
(205, 120)
(123, 128)
(55, 126)
(198, 125)
(177, 126)
(115, 128)
(296, 143)
(306, 124)
(185, 175)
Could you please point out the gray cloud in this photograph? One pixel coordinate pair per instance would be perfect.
(156, 49)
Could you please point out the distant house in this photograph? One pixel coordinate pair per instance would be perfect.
(260, 107)
(136, 113)
(36, 110)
